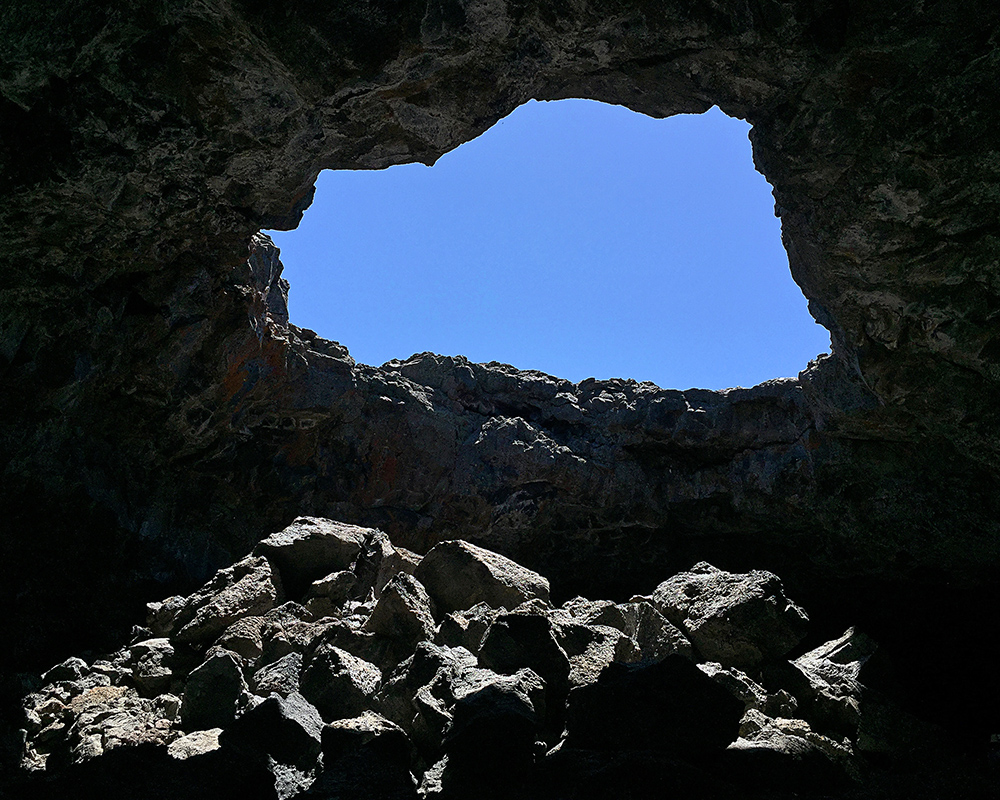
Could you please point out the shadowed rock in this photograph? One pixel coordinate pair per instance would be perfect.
(287, 729)
(365, 757)
(402, 616)
(212, 693)
(310, 548)
(339, 684)
(248, 588)
(668, 706)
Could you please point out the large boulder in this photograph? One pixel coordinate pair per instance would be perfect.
(430, 667)
(466, 628)
(833, 688)
(90, 722)
(590, 648)
(490, 743)
(213, 693)
(339, 684)
(402, 616)
(739, 620)
(287, 729)
(364, 758)
(249, 587)
(152, 664)
(780, 756)
(280, 677)
(530, 641)
(312, 547)
(653, 636)
(669, 705)
(458, 575)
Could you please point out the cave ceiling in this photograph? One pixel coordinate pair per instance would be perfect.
(160, 413)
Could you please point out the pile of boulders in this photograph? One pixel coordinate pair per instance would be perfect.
(341, 666)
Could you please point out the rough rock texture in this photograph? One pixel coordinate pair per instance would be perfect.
(738, 620)
(552, 703)
(459, 575)
(159, 413)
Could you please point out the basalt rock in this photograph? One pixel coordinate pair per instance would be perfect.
(549, 695)
(739, 620)
(159, 413)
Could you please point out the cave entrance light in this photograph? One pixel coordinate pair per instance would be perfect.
(573, 237)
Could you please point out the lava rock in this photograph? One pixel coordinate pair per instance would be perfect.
(248, 588)
(495, 724)
(833, 674)
(364, 757)
(590, 648)
(669, 705)
(280, 677)
(402, 616)
(310, 548)
(287, 729)
(72, 669)
(786, 756)
(739, 620)
(151, 663)
(430, 665)
(458, 575)
(339, 684)
(466, 628)
(518, 641)
(213, 692)
(194, 744)
(327, 595)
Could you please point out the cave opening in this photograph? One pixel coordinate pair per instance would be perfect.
(573, 237)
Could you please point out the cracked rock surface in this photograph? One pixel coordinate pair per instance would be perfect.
(507, 720)
(160, 413)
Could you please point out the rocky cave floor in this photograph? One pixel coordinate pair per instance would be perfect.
(330, 663)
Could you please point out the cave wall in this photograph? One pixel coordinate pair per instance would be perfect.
(160, 413)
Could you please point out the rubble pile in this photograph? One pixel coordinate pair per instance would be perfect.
(330, 663)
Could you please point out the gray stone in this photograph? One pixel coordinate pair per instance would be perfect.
(403, 616)
(72, 669)
(310, 548)
(489, 744)
(430, 666)
(248, 588)
(329, 594)
(519, 641)
(289, 629)
(749, 692)
(833, 672)
(590, 648)
(97, 720)
(339, 684)
(458, 575)
(280, 677)
(161, 617)
(193, 744)
(787, 756)
(244, 638)
(466, 628)
(287, 729)
(151, 663)
(654, 635)
(365, 757)
(738, 620)
(213, 692)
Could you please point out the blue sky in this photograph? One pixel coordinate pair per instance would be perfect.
(575, 238)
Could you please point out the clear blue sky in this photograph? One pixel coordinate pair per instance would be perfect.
(575, 238)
